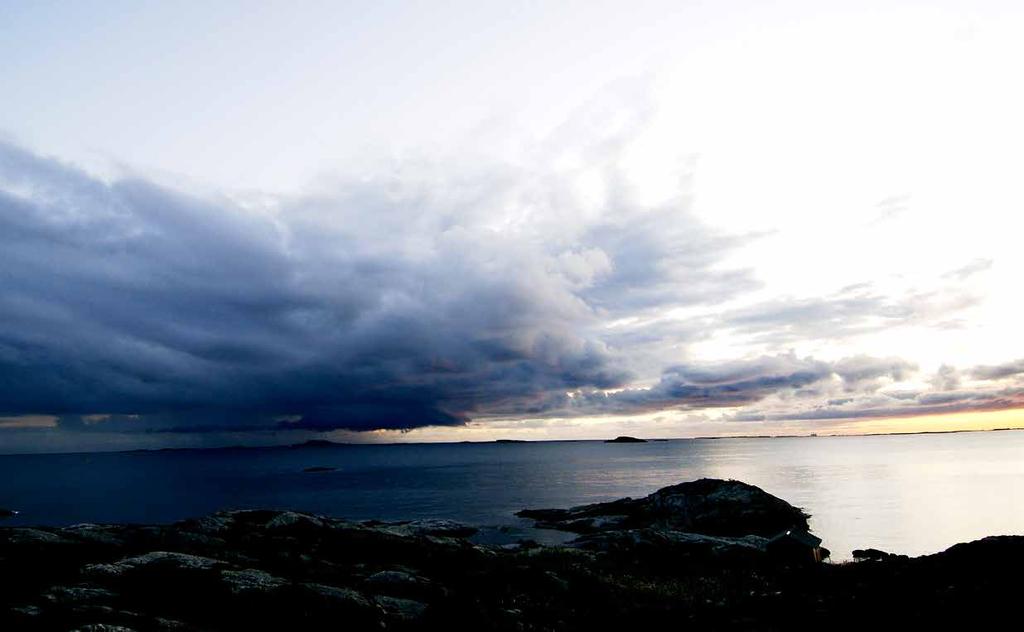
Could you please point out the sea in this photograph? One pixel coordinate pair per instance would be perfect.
(911, 494)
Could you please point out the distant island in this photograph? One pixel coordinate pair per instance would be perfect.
(320, 468)
(318, 443)
(706, 554)
(624, 439)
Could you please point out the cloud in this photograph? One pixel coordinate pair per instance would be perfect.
(892, 207)
(854, 311)
(998, 371)
(872, 393)
(974, 267)
(423, 296)
(859, 370)
(743, 382)
(392, 302)
(893, 404)
(947, 378)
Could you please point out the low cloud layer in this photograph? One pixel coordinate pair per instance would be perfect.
(990, 388)
(738, 383)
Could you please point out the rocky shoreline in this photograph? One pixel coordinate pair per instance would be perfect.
(696, 555)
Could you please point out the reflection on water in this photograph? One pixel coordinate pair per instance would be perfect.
(910, 494)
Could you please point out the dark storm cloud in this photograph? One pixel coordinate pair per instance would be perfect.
(380, 304)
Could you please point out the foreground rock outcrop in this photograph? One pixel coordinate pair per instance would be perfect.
(706, 506)
(283, 570)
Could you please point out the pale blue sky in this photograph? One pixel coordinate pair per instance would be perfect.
(254, 94)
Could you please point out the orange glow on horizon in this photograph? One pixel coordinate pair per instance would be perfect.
(964, 421)
(651, 427)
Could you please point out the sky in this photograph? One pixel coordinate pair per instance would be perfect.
(261, 222)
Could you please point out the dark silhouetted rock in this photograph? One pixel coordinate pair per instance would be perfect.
(706, 506)
(156, 563)
(107, 535)
(643, 565)
(317, 443)
(403, 610)
(68, 596)
(333, 603)
(293, 521)
(872, 555)
(436, 528)
(35, 537)
(626, 440)
(676, 545)
(251, 581)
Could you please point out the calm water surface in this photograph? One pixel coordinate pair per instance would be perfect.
(912, 494)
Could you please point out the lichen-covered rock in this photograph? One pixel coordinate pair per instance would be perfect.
(154, 563)
(401, 609)
(75, 595)
(422, 528)
(217, 523)
(294, 521)
(250, 581)
(108, 535)
(401, 584)
(21, 536)
(389, 579)
(674, 545)
(338, 596)
(327, 603)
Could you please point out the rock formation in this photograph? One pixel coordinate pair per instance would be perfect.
(706, 506)
(264, 570)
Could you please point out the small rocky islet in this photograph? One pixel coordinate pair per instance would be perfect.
(698, 555)
(625, 439)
